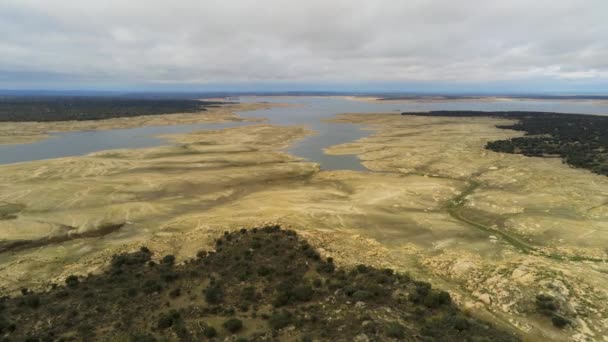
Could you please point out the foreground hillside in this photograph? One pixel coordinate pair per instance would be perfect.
(259, 284)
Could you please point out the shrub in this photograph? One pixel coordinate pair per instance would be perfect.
(395, 330)
(138, 258)
(71, 281)
(422, 288)
(32, 301)
(175, 293)
(303, 293)
(233, 325)
(137, 337)
(435, 299)
(545, 303)
(151, 286)
(326, 268)
(282, 298)
(248, 293)
(459, 323)
(362, 269)
(279, 320)
(388, 271)
(214, 294)
(166, 320)
(169, 276)
(362, 295)
(209, 332)
(312, 254)
(264, 271)
(559, 321)
(168, 259)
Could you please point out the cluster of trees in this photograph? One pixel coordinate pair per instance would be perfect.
(580, 140)
(43, 109)
(259, 274)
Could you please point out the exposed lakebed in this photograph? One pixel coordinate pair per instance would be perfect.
(310, 111)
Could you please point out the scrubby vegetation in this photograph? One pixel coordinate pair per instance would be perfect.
(258, 285)
(549, 306)
(20, 109)
(580, 140)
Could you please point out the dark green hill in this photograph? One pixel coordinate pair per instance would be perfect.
(260, 285)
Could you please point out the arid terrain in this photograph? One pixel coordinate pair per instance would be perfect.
(494, 229)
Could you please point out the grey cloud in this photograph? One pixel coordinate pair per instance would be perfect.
(190, 42)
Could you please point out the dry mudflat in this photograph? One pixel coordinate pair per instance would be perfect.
(493, 229)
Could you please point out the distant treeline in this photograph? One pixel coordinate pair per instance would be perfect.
(580, 140)
(479, 97)
(21, 109)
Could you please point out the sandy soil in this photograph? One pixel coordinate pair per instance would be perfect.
(486, 226)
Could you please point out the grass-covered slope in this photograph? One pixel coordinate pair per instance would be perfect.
(580, 140)
(47, 109)
(258, 285)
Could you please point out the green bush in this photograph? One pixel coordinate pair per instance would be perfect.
(395, 330)
(175, 293)
(214, 294)
(264, 271)
(233, 325)
(422, 288)
(326, 268)
(459, 322)
(303, 293)
(168, 260)
(166, 320)
(71, 281)
(545, 303)
(32, 301)
(281, 319)
(281, 299)
(362, 295)
(209, 332)
(559, 321)
(436, 299)
(151, 286)
(248, 293)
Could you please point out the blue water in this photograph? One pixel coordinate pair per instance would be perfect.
(82, 142)
(312, 113)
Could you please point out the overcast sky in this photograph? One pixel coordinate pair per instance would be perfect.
(548, 45)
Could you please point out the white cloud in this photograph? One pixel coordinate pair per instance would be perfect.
(212, 41)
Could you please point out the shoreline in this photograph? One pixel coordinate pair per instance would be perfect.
(30, 132)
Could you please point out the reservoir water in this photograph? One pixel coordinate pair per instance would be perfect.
(310, 111)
